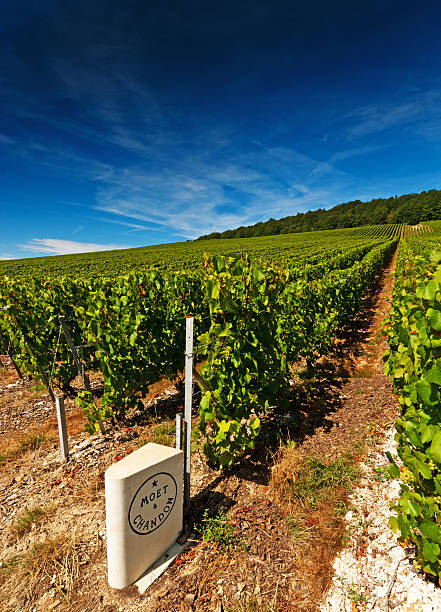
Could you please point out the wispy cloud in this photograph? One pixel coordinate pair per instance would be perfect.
(134, 227)
(329, 166)
(419, 113)
(373, 118)
(206, 193)
(5, 139)
(55, 246)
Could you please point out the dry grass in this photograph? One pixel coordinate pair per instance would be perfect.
(49, 564)
(32, 441)
(17, 444)
(29, 517)
(310, 481)
(365, 371)
(253, 604)
(4, 401)
(299, 532)
(36, 390)
(93, 490)
(159, 386)
(163, 433)
(9, 375)
(313, 491)
(76, 421)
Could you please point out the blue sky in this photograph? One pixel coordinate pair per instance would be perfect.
(135, 123)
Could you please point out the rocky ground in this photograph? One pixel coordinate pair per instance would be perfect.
(373, 571)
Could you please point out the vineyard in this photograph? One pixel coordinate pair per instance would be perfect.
(289, 393)
(255, 315)
(292, 249)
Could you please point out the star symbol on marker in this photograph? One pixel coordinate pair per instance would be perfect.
(155, 483)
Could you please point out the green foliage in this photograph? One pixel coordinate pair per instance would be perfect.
(381, 473)
(356, 596)
(253, 604)
(292, 250)
(163, 433)
(219, 529)
(414, 365)
(298, 530)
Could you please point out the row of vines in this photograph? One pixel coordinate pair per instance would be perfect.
(251, 321)
(414, 364)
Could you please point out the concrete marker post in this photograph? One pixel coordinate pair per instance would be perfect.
(144, 511)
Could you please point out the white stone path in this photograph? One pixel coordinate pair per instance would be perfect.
(382, 578)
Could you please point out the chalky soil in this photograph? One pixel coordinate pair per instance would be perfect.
(374, 572)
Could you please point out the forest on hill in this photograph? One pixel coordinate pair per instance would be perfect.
(410, 208)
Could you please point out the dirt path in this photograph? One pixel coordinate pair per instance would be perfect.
(353, 387)
(281, 554)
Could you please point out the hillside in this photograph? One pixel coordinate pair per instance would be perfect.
(410, 208)
(183, 255)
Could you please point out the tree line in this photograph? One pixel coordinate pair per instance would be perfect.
(410, 208)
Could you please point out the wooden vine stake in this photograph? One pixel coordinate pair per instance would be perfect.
(78, 362)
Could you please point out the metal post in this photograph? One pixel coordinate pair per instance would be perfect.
(44, 378)
(81, 372)
(78, 363)
(62, 430)
(188, 404)
(179, 422)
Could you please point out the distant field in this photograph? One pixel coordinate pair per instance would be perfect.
(279, 249)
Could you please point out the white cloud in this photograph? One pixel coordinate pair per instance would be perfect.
(206, 192)
(373, 118)
(134, 227)
(6, 258)
(328, 166)
(5, 139)
(55, 246)
(419, 113)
